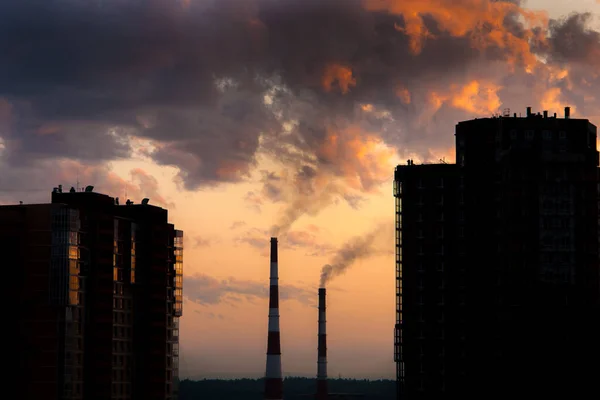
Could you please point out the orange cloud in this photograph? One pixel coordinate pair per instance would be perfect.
(362, 159)
(338, 73)
(552, 100)
(558, 74)
(477, 97)
(482, 21)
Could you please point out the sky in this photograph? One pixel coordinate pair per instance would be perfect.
(254, 118)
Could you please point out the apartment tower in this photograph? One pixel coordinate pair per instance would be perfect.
(497, 263)
(99, 293)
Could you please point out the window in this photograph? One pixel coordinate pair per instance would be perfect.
(562, 135)
(440, 232)
(547, 135)
(73, 252)
(529, 134)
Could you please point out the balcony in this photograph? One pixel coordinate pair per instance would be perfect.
(398, 343)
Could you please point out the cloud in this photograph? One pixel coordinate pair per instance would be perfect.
(34, 182)
(237, 225)
(254, 237)
(207, 290)
(332, 92)
(253, 201)
(148, 185)
(210, 315)
(306, 240)
(313, 228)
(200, 241)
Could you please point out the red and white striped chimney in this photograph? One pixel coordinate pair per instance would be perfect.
(273, 376)
(322, 391)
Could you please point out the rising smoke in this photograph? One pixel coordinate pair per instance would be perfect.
(357, 248)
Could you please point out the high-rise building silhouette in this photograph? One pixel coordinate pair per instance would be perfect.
(97, 297)
(497, 263)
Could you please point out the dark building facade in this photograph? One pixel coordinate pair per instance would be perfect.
(102, 286)
(518, 297)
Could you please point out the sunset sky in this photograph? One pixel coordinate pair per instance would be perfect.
(252, 118)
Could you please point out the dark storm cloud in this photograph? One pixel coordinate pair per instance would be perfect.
(213, 83)
(81, 67)
(574, 41)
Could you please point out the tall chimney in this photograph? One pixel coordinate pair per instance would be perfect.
(567, 112)
(322, 391)
(529, 111)
(273, 376)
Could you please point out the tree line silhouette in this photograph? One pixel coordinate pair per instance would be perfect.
(294, 387)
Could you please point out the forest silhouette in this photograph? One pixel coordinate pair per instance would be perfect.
(294, 388)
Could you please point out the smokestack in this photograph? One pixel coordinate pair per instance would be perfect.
(529, 111)
(545, 114)
(273, 376)
(567, 112)
(322, 391)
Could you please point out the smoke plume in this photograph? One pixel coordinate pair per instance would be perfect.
(357, 248)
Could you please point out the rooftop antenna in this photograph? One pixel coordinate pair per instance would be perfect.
(78, 179)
